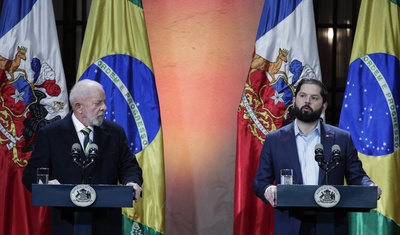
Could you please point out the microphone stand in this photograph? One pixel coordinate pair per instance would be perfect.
(91, 158)
(83, 175)
(328, 169)
(85, 165)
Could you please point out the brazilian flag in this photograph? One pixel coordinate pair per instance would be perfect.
(116, 53)
(371, 109)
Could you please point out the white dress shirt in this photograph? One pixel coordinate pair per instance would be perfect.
(78, 127)
(305, 148)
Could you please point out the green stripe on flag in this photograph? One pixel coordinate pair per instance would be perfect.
(137, 2)
(136, 228)
(396, 2)
(365, 224)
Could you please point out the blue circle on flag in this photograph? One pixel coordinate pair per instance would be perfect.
(370, 108)
(131, 96)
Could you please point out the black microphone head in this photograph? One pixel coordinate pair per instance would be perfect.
(93, 148)
(336, 157)
(75, 150)
(319, 148)
(335, 148)
(319, 153)
(76, 147)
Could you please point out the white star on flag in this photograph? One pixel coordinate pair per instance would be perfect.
(18, 96)
(277, 97)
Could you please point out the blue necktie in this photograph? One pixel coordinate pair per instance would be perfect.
(86, 140)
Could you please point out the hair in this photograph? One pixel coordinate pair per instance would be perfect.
(81, 90)
(323, 93)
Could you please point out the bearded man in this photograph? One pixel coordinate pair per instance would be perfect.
(292, 147)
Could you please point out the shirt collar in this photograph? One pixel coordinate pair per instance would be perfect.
(78, 125)
(298, 132)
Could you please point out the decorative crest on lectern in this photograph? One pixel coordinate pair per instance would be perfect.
(327, 196)
(83, 195)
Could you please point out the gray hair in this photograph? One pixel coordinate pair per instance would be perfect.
(81, 90)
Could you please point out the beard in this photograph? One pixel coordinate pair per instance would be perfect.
(307, 116)
(95, 120)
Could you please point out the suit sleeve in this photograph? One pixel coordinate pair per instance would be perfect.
(265, 175)
(40, 157)
(129, 169)
(355, 174)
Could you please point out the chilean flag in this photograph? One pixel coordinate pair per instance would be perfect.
(285, 52)
(33, 93)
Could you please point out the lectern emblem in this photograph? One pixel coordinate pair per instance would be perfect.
(83, 195)
(327, 196)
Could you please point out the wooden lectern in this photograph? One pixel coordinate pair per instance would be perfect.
(352, 199)
(59, 196)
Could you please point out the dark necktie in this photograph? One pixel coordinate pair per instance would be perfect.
(86, 140)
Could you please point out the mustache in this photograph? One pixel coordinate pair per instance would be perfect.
(306, 106)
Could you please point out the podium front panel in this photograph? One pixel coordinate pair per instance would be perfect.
(59, 195)
(352, 197)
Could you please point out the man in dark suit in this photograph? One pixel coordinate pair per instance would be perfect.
(115, 162)
(292, 147)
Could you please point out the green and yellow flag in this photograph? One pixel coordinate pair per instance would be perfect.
(116, 53)
(371, 109)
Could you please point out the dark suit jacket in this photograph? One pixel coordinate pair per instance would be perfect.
(279, 151)
(115, 163)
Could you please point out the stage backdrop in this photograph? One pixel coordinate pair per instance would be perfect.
(201, 52)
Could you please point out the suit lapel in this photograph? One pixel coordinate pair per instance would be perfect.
(291, 151)
(68, 132)
(100, 138)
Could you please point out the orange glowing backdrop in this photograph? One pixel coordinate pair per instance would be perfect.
(201, 51)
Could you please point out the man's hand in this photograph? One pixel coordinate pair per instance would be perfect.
(137, 189)
(55, 181)
(270, 195)
(379, 193)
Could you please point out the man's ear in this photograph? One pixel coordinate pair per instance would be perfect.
(78, 107)
(324, 106)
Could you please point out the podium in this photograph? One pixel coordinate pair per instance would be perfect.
(61, 195)
(310, 199)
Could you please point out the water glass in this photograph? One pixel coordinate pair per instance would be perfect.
(287, 176)
(42, 175)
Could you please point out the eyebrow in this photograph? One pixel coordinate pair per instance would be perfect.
(302, 92)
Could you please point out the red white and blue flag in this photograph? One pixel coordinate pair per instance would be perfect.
(33, 93)
(285, 52)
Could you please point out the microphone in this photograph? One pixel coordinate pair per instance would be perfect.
(332, 164)
(336, 157)
(75, 151)
(319, 154)
(93, 149)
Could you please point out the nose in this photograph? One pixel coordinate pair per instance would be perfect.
(103, 107)
(308, 100)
